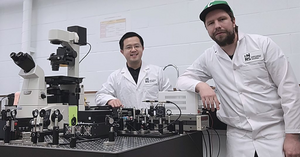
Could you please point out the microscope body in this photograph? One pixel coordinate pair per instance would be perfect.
(53, 92)
(33, 93)
(65, 92)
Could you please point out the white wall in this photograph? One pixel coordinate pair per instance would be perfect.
(171, 29)
(10, 40)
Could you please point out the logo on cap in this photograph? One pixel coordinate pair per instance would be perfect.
(210, 3)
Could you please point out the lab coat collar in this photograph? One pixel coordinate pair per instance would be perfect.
(220, 52)
(143, 72)
(125, 72)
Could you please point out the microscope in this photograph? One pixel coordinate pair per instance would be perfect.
(33, 94)
(64, 93)
(51, 93)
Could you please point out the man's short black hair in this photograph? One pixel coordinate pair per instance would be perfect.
(128, 35)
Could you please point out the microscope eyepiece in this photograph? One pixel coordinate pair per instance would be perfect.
(20, 54)
(23, 60)
(13, 55)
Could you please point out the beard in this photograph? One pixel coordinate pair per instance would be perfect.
(223, 41)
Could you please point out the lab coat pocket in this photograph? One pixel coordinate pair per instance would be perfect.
(255, 75)
(231, 121)
(233, 125)
(272, 122)
(126, 92)
(151, 91)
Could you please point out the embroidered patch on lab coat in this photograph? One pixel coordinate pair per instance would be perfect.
(148, 80)
(252, 56)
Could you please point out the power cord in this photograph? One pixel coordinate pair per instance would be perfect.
(176, 118)
(170, 103)
(87, 52)
(194, 142)
(203, 137)
(205, 111)
(219, 149)
(209, 143)
(219, 140)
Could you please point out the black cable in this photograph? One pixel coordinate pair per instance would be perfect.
(212, 120)
(126, 123)
(179, 112)
(194, 142)
(87, 52)
(168, 124)
(176, 118)
(131, 127)
(219, 142)
(209, 142)
(205, 144)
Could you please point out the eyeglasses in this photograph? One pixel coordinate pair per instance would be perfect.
(130, 47)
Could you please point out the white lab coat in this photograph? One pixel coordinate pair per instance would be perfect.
(258, 92)
(121, 85)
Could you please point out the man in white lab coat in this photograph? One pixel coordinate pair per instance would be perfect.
(134, 83)
(258, 92)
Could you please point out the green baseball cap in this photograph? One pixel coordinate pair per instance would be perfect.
(212, 6)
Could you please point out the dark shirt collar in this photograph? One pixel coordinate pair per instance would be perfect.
(134, 73)
(131, 69)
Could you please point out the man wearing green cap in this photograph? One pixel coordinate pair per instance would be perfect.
(258, 92)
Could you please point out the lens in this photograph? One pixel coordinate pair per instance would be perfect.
(13, 55)
(55, 67)
(20, 54)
